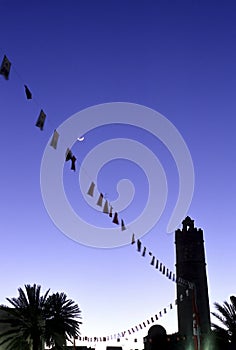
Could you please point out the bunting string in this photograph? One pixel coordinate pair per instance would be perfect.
(140, 326)
(106, 207)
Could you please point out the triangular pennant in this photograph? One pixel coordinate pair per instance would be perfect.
(105, 208)
(139, 245)
(153, 260)
(115, 219)
(110, 212)
(157, 264)
(99, 202)
(41, 120)
(5, 67)
(68, 154)
(28, 93)
(73, 160)
(144, 251)
(91, 189)
(133, 239)
(54, 140)
(123, 228)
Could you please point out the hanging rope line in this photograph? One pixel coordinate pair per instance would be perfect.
(108, 209)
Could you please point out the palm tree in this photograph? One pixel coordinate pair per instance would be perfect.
(61, 316)
(227, 317)
(36, 319)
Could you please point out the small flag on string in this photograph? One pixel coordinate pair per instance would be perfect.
(164, 269)
(160, 314)
(133, 239)
(136, 328)
(171, 306)
(153, 260)
(148, 322)
(129, 331)
(115, 219)
(167, 272)
(110, 213)
(139, 245)
(54, 140)
(28, 93)
(73, 160)
(165, 311)
(99, 202)
(105, 208)
(91, 189)
(160, 269)
(150, 253)
(170, 275)
(68, 154)
(144, 251)
(157, 263)
(140, 326)
(173, 278)
(41, 120)
(104, 338)
(187, 292)
(5, 67)
(156, 317)
(123, 228)
(144, 324)
(152, 319)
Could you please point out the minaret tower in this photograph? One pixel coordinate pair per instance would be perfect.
(191, 267)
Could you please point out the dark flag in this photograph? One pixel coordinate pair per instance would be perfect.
(41, 120)
(28, 93)
(5, 67)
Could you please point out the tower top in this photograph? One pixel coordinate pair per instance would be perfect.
(188, 224)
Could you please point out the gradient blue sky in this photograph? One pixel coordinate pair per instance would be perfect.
(177, 57)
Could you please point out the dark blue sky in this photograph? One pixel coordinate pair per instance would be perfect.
(176, 57)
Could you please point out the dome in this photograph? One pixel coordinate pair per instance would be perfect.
(156, 331)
